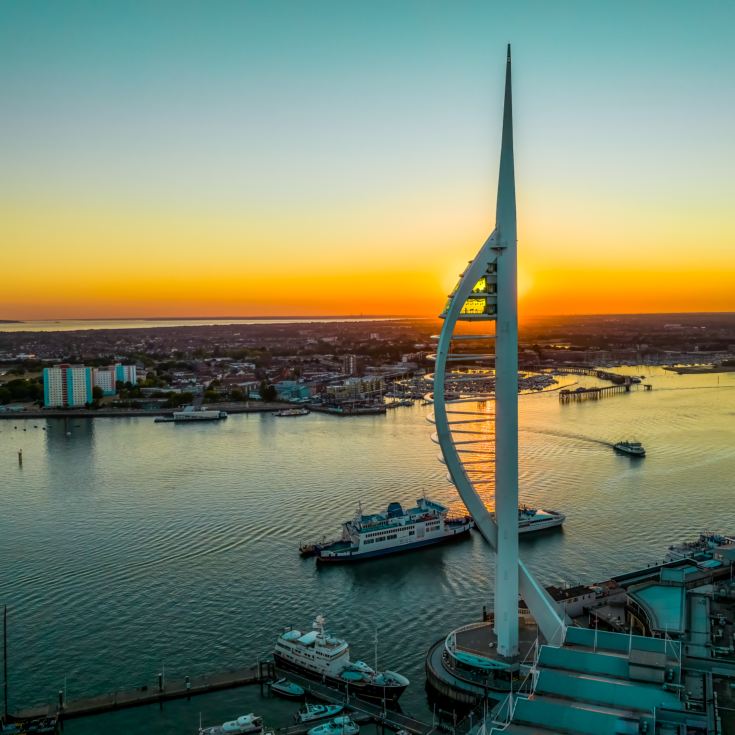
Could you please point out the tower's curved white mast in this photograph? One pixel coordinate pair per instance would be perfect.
(487, 291)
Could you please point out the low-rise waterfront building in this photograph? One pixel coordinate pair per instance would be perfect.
(292, 390)
(354, 389)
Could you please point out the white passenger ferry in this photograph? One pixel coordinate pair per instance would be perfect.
(202, 414)
(325, 658)
(396, 530)
(190, 413)
(531, 520)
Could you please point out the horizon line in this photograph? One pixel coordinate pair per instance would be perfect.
(374, 317)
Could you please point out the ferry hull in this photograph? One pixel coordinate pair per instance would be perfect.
(541, 526)
(371, 692)
(347, 557)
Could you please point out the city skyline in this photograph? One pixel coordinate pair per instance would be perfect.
(273, 160)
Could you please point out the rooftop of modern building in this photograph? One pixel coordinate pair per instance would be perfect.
(601, 683)
(665, 605)
(567, 593)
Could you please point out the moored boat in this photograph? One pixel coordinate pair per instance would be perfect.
(325, 658)
(190, 414)
(303, 411)
(312, 712)
(243, 725)
(288, 689)
(343, 725)
(396, 530)
(28, 726)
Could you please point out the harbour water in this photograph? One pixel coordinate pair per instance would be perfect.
(129, 547)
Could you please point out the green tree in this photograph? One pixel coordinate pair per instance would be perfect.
(178, 399)
(97, 394)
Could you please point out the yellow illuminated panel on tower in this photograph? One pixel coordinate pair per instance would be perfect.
(480, 286)
(473, 306)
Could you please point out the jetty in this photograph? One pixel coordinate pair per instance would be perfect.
(594, 394)
(620, 383)
(161, 691)
(165, 689)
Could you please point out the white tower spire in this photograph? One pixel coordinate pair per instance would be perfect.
(506, 391)
(487, 291)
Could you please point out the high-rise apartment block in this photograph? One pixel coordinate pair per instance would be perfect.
(66, 386)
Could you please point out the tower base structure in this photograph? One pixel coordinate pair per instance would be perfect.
(465, 668)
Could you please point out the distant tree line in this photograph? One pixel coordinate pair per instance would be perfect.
(21, 390)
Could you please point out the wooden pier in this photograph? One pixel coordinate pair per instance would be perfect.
(592, 394)
(162, 691)
(620, 384)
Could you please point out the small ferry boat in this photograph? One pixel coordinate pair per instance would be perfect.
(531, 520)
(289, 689)
(325, 658)
(202, 414)
(397, 530)
(312, 712)
(343, 725)
(303, 411)
(189, 414)
(634, 449)
(243, 725)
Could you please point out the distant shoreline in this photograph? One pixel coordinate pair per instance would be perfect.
(113, 413)
(331, 317)
(83, 325)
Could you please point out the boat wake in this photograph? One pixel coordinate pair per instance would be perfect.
(565, 435)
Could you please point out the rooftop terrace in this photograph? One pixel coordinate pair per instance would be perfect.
(602, 683)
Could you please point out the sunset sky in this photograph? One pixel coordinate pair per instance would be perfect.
(237, 157)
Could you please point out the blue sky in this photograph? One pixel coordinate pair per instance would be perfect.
(315, 111)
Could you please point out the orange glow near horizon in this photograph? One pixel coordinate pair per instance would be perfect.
(133, 264)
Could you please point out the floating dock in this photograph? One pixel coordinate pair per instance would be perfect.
(386, 717)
